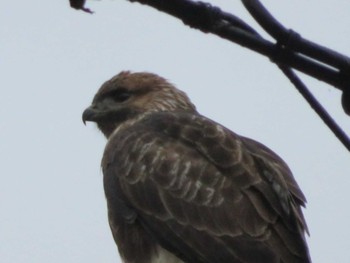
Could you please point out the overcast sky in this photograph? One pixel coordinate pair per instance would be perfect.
(52, 61)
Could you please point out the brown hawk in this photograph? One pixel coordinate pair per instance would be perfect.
(183, 188)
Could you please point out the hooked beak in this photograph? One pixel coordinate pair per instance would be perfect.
(90, 114)
(101, 114)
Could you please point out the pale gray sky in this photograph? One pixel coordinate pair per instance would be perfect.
(52, 61)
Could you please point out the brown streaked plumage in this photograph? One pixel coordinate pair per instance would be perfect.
(183, 188)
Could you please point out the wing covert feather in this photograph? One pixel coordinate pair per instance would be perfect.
(204, 186)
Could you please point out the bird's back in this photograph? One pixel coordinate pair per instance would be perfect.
(182, 182)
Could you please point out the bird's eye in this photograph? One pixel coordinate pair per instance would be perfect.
(121, 95)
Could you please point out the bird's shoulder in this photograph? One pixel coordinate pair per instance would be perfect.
(217, 143)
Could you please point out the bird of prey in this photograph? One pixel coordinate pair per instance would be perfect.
(181, 188)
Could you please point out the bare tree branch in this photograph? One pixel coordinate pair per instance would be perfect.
(80, 5)
(318, 108)
(210, 19)
(289, 51)
(293, 41)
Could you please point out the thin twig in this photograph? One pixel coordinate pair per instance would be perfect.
(319, 109)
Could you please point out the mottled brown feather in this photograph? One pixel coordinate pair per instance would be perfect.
(237, 202)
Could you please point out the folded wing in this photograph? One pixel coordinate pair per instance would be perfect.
(205, 193)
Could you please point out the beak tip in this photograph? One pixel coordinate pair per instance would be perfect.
(88, 115)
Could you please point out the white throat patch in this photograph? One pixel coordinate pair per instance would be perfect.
(164, 256)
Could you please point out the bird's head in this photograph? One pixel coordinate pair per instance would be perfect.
(128, 96)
